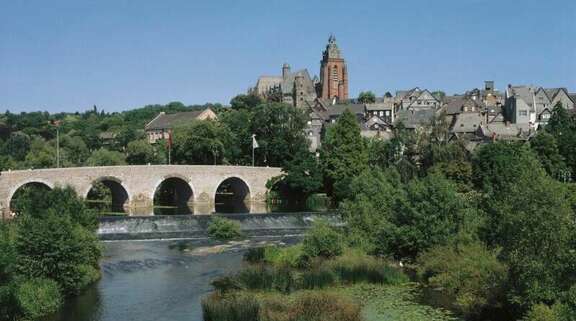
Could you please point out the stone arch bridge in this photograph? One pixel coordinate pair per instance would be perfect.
(134, 187)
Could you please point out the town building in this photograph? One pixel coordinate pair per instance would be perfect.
(300, 90)
(162, 125)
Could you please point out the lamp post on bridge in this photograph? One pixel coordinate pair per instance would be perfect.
(57, 123)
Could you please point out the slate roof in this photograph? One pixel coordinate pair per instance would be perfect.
(503, 131)
(573, 97)
(415, 118)
(455, 104)
(288, 82)
(467, 122)
(164, 121)
(338, 109)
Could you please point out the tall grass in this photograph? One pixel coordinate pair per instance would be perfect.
(237, 307)
(355, 268)
(303, 306)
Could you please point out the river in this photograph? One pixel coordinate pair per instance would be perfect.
(156, 280)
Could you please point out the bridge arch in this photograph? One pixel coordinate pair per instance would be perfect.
(173, 194)
(232, 195)
(119, 194)
(40, 183)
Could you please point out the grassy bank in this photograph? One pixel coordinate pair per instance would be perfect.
(283, 284)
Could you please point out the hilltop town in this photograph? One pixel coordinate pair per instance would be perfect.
(475, 116)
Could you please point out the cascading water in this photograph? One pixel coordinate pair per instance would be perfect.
(195, 226)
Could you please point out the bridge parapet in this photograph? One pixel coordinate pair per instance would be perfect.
(140, 182)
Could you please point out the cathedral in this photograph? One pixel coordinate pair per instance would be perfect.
(300, 90)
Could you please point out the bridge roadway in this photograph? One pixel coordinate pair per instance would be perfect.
(134, 186)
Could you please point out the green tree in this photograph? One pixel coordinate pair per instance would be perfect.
(562, 126)
(530, 217)
(104, 157)
(546, 149)
(279, 130)
(238, 122)
(432, 213)
(246, 102)
(41, 154)
(302, 176)
(74, 150)
(366, 97)
(140, 152)
(370, 206)
(343, 156)
(17, 146)
(469, 272)
(202, 142)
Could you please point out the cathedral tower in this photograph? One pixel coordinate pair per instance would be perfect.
(333, 73)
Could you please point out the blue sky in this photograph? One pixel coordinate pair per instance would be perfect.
(69, 55)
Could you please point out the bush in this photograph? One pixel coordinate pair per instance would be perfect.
(469, 272)
(541, 312)
(291, 256)
(38, 297)
(323, 240)
(357, 267)
(234, 307)
(224, 229)
(74, 251)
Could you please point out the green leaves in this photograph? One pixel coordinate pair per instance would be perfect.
(344, 155)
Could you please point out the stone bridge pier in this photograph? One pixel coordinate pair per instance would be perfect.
(134, 187)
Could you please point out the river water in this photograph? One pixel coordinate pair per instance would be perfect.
(156, 280)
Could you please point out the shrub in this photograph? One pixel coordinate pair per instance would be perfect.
(541, 312)
(469, 272)
(323, 240)
(233, 307)
(291, 256)
(38, 297)
(357, 267)
(74, 251)
(224, 229)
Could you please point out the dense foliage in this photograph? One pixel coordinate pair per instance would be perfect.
(224, 229)
(494, 228)
(48, 251)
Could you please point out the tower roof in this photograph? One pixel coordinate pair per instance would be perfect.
(332, 50)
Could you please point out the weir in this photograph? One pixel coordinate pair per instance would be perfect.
(195, 226)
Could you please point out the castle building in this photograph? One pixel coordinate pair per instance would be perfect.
(301, 90)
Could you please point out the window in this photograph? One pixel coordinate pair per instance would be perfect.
(523, 113)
